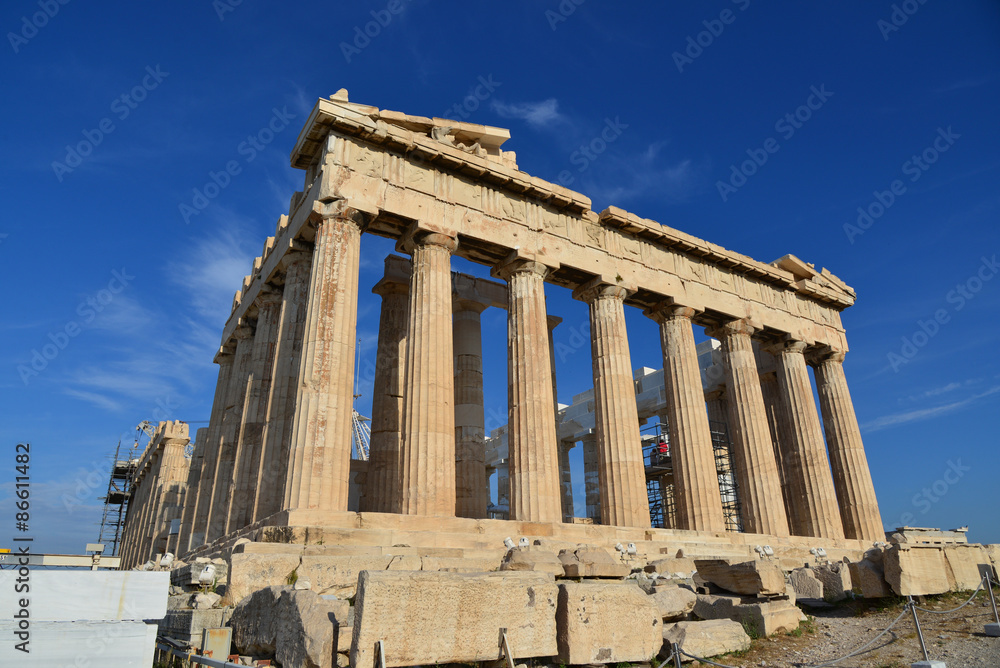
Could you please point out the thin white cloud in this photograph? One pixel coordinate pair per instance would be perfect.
(213, 270)
(536, 114)
(99, 400)
(924, 413)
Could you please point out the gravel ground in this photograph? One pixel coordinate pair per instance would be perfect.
(956, 638)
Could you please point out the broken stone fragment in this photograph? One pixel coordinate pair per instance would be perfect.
(706, 638)
(748, 577)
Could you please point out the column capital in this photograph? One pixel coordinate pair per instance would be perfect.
(553, 321)
(515, 265)
(415, 236)
(669, 309)
(245, 330)
(338, 210)
(823, 354)
(268, 294)
(390, 286)
(597, 288)
(298, 251)
(715, 394)
(732, 328)
(786, 345)
(468, 305)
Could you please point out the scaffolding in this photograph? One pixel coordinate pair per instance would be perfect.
(123, 466)
(660, 476)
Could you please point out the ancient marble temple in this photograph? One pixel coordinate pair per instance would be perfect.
(277, 452)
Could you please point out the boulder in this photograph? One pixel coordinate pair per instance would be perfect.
(673, 602)
(868, 579)
(592, 562)
(606, 623)
(759, 618)
(966, 566)
(707, 638)
(836, 579)
(671, 565)
(532, 558)
(916, 571)
(297, 628)
(806, 584)
(747, 577)
(435, 617)
(250, 572)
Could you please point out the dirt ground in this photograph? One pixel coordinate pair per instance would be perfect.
(956, 638)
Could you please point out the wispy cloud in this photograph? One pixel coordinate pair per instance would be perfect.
(647, 173)
(962, 84)
(896, 419)
(213, 270)
(536, 114)
(99, 400)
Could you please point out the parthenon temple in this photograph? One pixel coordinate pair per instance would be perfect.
(275, 462)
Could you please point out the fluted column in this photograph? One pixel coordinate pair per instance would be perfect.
(232, 423)
(756, 470)
(428, 452)
(698, 504)
(470, 434)
(566, 480)
(553, 322)
(805, 459)
(251, 442)
(777, 428)
(196, 510)
(382, 493)
(531, 438)
(297, 264)
(591, 477)
(718, 407)
(624, 501)
(320, 455)
(851, 475)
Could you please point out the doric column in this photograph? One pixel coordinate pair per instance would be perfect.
(428, 452)
(553, 322)
(718, 408)
(531, 435)
(251, 442)
(591, 477)
(383, 485)
(232, 422)
(296, 263)
(776, 426)
(696, 486)
(566, 480)
(805, 459)
(320, 458)
(851, 476)
(470, 435)
(759, 486)
(182, 539)
(624, 501)
(196, 510)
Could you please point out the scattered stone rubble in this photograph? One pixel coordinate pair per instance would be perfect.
(581, 605)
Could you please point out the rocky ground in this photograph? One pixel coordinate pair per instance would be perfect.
(956, 638)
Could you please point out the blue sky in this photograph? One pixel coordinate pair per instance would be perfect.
(115, 115)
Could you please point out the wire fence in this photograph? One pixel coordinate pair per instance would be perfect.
(910, 607)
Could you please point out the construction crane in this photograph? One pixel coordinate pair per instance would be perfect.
(362, 429)
(119, 492)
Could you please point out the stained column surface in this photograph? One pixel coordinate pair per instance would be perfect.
(248, 464)
(320, 453)
(851, 475)
(805, 458)
(273, 472)
(196, 510)
(566, 480)
(232, 423)
(471, 497)
(428, 451)
(776, 426)
(382, 494)
(698, 504)
(624, 501)
(531, 436)
(756, 470)
(591, 477)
